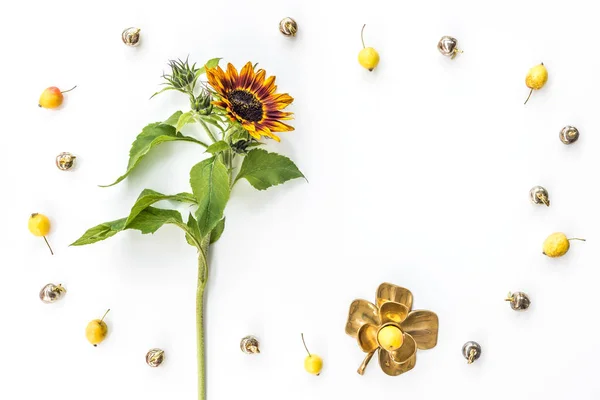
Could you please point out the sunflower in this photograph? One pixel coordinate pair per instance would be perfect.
(249, 98)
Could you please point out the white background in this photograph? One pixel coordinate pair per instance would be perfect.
(418, 173)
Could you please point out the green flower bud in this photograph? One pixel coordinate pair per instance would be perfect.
(240, 139)
(182, 76)
(202, 103)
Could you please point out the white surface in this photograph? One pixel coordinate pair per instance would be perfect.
(419, 175)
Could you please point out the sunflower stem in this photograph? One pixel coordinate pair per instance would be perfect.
(202, 279)
(208, 132)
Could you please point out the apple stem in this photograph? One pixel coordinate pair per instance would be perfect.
(102, 319)
(302, 334)
(361, 35)
(65, 91)
(531, 91)
(583, 240)
(48, 244)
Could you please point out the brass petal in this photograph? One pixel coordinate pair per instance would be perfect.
(393, 312)
(361, 312)
(393, 368)
(389, 292)
(423, 326)
(406, 351)
(367, 338)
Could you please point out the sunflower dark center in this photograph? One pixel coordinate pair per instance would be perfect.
(246, 105)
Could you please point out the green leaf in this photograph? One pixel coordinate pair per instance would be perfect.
(172, 120)
(263, 169)
(151, 219)
(185, 119)
(193, 236)
(152, 135)
(210, 184)
(149, 197)
(217, 147)
(217, 231)
(213, 62)
(100, 232)
(213, 121)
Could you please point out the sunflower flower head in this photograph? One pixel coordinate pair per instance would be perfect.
(250, 99)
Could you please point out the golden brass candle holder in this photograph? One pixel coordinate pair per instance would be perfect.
(392, 328)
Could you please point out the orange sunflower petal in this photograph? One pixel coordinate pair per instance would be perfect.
(277, 126)
(268, 87)
(246, 76)
(215, 77)
(272, 104)
(220, 104)
(268, 133)
(281, 115)
(231, 77)
(258, 82)
(284, 98)
(249, 126)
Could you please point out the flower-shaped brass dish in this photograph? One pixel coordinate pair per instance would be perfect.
(418, 329)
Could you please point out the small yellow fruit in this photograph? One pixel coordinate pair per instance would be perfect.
(313, 364)
(96, 330)
(390, 338)
(52, 97)
(557, 245)
(39, 225)
(536, 79)
(368, 56)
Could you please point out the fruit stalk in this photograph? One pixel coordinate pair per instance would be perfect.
(202, 279)
(530, 92)
(48, 244)
(65, 91)
(361, 35)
